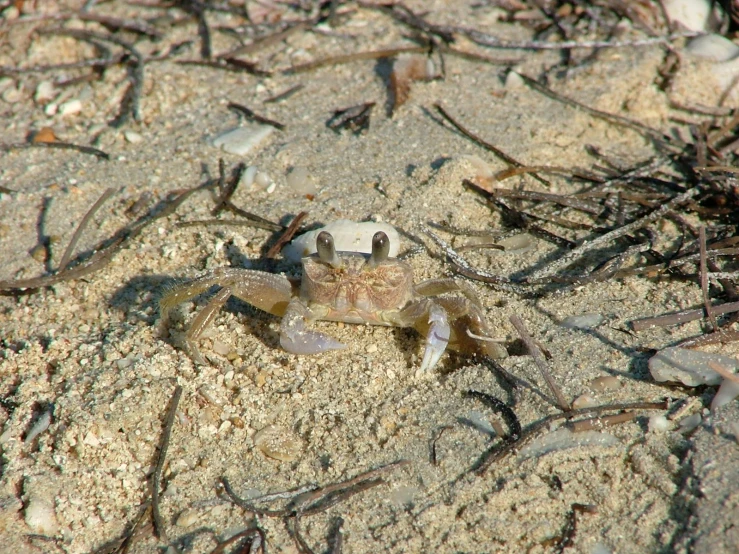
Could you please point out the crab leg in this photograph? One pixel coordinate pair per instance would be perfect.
(295, 336)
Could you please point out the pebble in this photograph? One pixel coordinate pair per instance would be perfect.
(300, 181)
(133, 137)
(582, 321)
(658, 424)
(689, 367)
(44, 92)
(12, 95)
(517, 244)
(187, 518)
(41, 425)
(690, 423)
(242, 140)
(70, 107)
(601, 384)
(513, 81)
(349, 236)
(584, 401)
(278, 444)
(41, 517)
(713, 47)
(694, 15)
(727, 392)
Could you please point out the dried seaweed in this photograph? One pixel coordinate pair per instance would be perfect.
(287, 236)
(56, 145)
(253, 116)
(157, 473)
(355, 118)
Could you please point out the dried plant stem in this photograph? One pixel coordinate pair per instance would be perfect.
(81, 227)
(599, 422)
(287, 236)
(683, 317)
(541, 363)
(704, 278)
(572, 256)
(157, 474)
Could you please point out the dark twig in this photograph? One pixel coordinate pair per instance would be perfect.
(463, 267)
(541, 363)
(227, 189)
(586, 246)
(500, 407)
(287, 236)
(157, 474)
(568, 533)
(56, 144)
(355, 57)
(284, 94)
(600, 422)
(499, 451)
(704, 278)
(611, 118)
(683, 317)
(258, 539)
(130, 105)
(106, 250)
(251, 115)
(81, 227)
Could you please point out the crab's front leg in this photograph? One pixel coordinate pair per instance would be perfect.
(430, 319)
(296, 338)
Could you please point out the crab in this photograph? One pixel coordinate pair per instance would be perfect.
(350, 287)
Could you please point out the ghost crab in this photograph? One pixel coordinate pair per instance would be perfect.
(351, 287)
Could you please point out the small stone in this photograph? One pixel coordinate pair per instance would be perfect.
(371, 349)
(45, 134)
(41, 517)
(713, 47)
(91, 440)
(513, 81)
(71, 107)
(242, 140)
(278, 444)
(607, 383)
(51, 109)
(518, 244)
(582, 321)
(584, 401)
(44, 92)
(221, 348)
(133, 137)
(12, 95)
(300, 181)
(12, 12)
(689, 367)
(658, 424)
(690, 423)
(694, 15)
(187, 518)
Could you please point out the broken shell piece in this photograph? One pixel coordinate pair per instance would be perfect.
(584, 401)
(601, 384)
(349, 236)
(564, 438)
(278, 444)
(242, 140)
(406, 69)
(727, 392)
(689, 367)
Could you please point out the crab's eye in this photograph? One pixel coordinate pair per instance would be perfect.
(326, 249)
(380, 248)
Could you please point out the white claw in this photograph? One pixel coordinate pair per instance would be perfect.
(296, 339)
(436, 340)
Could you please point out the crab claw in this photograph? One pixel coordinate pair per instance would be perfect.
(297, 339)
(436, 340)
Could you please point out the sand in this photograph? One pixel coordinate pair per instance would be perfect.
(89, 349)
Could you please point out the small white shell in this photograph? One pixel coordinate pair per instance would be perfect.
(349, 236)
(242, 140)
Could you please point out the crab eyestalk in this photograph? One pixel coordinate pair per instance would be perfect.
(326, 250)
(380, 249)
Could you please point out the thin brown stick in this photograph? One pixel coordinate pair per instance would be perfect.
(541, 363)
(81, 227)
(600, 422)
(721, 370)
(569, 201)
(586, 246)
(354, 57)
(720, 337)
(287, 236)
(704, 278)
(56, 145)
(284, 94)
(611, 118)
(683, 317)
(157, 474)
(497, 452)
(252, 115)
(227, 189)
